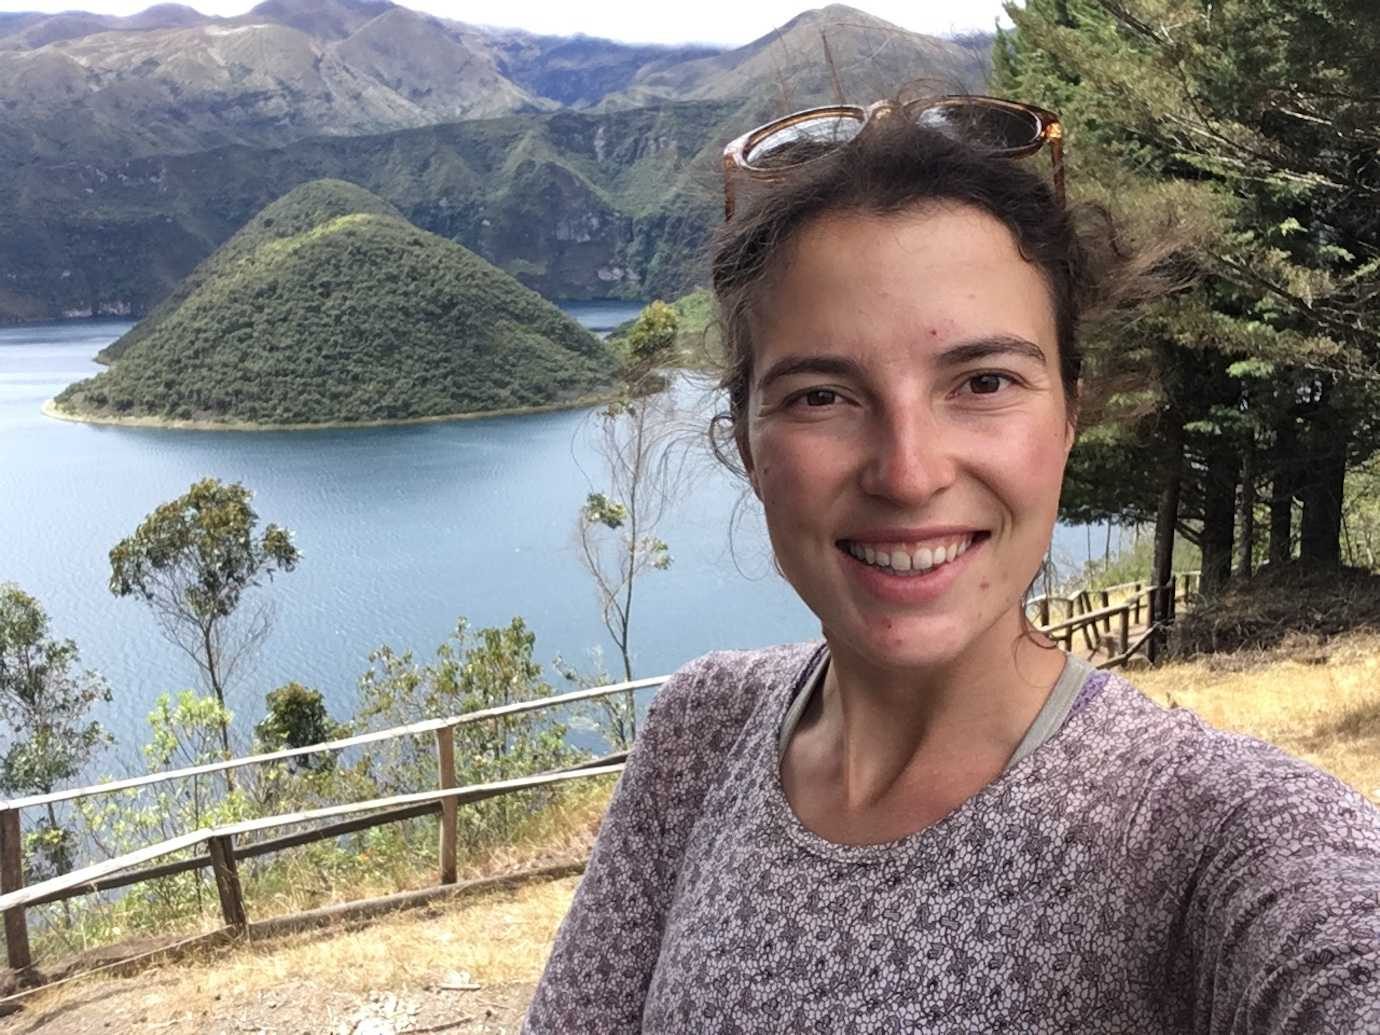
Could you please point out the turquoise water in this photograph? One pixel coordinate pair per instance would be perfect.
(402, 530)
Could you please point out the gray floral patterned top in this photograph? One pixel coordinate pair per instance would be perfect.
(1139, 872)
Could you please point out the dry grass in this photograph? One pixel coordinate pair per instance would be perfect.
(498, 938)
(1317, 699)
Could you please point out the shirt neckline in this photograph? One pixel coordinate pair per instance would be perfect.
(916, 841)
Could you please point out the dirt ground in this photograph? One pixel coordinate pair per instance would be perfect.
(296, 1008)
(465, 967)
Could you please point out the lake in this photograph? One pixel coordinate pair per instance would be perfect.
(402, 531)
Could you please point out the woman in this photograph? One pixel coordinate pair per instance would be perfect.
(936, 821)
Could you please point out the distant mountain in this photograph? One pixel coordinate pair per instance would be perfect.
(574, 205)
(170, 80)
(579, 71)
(831, 55)
(288, 70)
(584, 167)
(330, 307)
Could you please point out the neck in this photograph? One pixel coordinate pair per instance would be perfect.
(953, 724)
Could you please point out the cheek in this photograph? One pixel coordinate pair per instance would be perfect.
(1035, 469)
(790, 476)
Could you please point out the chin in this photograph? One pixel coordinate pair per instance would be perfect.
(901, 643)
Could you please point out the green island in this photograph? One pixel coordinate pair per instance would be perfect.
(330, 308)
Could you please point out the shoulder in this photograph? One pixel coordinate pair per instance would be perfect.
(718, 696)
(734, 680)
(1226, 791)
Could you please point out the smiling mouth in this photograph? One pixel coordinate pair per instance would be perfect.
(911, 559)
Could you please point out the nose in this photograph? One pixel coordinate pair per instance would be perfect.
(910, 456)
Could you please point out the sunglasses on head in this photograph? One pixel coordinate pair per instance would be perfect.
(1008, 129)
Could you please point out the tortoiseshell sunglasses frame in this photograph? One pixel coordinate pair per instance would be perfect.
(1049, 131)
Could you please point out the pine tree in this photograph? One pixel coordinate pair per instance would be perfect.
(1254, 123)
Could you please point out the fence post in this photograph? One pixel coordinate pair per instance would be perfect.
(1125, 618)
(445, 766)
(1138, 592)
(222, 849)
(1044, 610)
(1106, 602)
(12, 879)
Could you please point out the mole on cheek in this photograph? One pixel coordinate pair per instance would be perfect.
(984, 584)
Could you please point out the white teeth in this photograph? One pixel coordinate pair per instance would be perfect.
(923, 559)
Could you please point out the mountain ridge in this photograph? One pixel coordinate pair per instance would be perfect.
(584, 168)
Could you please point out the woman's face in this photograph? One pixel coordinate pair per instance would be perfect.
(907, 431)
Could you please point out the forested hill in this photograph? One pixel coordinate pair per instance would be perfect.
(329, 307)
(304, 209)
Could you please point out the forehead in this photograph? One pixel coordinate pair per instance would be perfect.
(898, 286)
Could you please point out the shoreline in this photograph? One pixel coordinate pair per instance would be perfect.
(51, 411)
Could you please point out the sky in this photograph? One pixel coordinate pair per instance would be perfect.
(723, 22)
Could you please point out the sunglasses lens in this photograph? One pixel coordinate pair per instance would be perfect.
(801, 141)
(983, 125)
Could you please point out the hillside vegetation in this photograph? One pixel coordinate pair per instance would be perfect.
(330, 307)
(303, 209)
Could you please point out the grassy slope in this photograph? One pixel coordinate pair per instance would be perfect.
(360, 317)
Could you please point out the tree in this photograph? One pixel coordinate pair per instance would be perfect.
(653, 336)
(617, 527)
(185, 730)
(191, 561)
(44, 704)
(1255, 121)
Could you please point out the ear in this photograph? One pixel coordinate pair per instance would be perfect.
(740, 439)
(1071, 425)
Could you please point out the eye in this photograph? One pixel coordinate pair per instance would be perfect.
(988, 383)
(819, 397)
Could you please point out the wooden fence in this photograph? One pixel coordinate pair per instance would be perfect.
(1126, 606)
(223, 853)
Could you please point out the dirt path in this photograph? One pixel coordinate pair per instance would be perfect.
(144, 1005)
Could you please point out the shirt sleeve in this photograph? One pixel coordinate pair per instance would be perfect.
(597, 976)
(1285, 915)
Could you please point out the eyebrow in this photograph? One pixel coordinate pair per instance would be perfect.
(955, 356)
(996, 345)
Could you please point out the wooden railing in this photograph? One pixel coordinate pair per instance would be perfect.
(1095, 621)
(223, 853)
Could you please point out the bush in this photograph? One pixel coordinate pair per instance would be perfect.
(297, 717)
